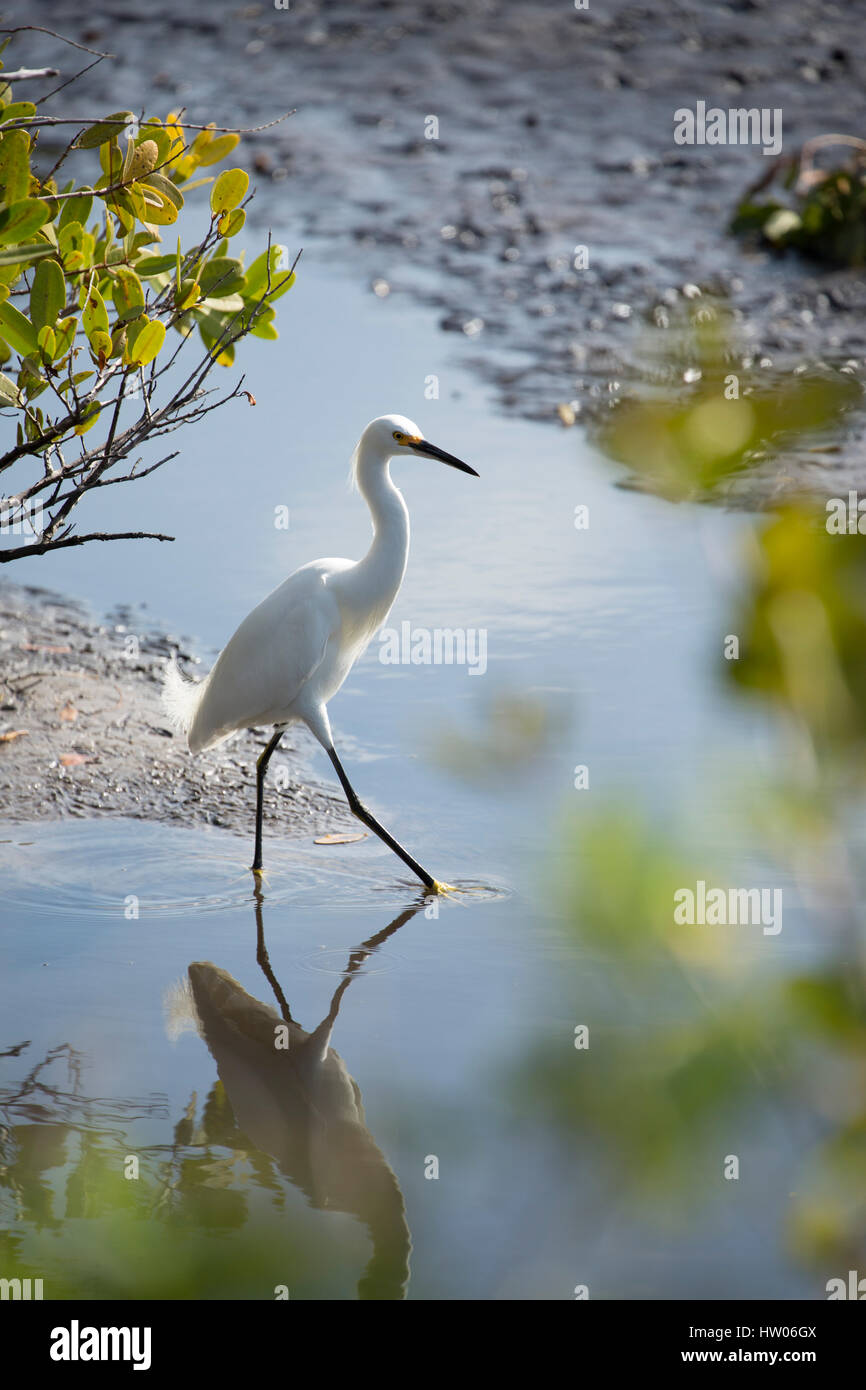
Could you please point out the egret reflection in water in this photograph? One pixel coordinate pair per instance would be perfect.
(293, 1097)
(207, 1215)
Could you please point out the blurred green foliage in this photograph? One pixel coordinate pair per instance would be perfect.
(820, 212)
(802, 626)
(707, 408)
(511, 733)
(699, 1046)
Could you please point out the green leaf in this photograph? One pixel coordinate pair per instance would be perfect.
(47, 340)
(65, 334)
(230, 223)
(100, 344)
(215, 150)
(221, 276)
(118, 340)
(10, 274)
(76, 209)
(94, 315)
(20, 220)
(229, 304)
(23, 255)
(17, 330)
(91, 415)
(107, 129)
(9, 393)
(188, 294)
(76, 246)
(152, 129)
(47, 230)
(127, 293)
(125, 208)
(156, 206)
(281, 284)
(263, 324)
(224, 357)
(111, 163)
(257, 275)
(15, 165)
(164, 186)
(228, 190)
(147, 343)
(212, 326)
(18, 111)
(154, 265)
(77, 377)
(48, 294)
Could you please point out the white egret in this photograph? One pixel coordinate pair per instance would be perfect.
(292, 653)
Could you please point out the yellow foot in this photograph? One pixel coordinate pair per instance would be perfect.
(444, 888)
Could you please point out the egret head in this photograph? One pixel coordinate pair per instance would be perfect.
(390, 435)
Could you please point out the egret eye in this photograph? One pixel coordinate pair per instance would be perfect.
(400, 438)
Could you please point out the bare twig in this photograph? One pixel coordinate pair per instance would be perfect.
(131, 476)
(29, 122)
(52, 33)
(74, 78)
(39, 548)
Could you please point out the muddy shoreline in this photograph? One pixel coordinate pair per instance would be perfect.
(82, 732)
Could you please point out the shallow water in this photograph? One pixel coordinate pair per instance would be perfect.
(249, 1176)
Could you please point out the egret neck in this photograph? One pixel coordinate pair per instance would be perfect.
(375, 580)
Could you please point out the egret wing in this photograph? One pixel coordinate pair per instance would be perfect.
(263, 669)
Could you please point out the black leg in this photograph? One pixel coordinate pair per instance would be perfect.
(359, 810)
(261, 769)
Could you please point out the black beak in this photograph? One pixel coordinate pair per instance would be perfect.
(430, 451)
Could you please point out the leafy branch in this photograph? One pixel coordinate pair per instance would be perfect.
(88, 342)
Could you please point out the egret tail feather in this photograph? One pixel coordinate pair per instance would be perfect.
(181, 697)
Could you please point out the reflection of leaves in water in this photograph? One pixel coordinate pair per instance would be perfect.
(161, 1232)
(707, 411)
(62, 1158)
(50, 1124)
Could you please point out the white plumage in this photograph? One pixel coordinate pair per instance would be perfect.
(292, 653)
